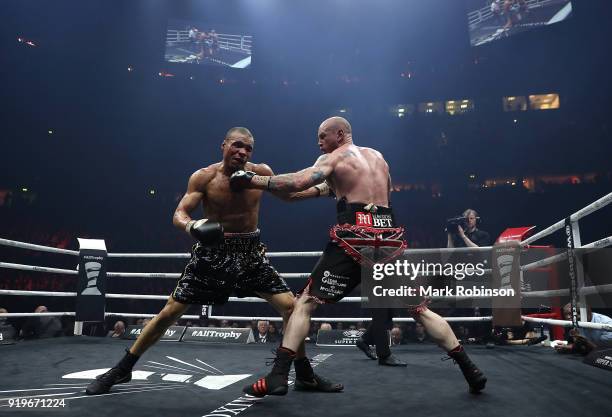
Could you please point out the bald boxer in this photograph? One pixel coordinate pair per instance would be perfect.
(360, 179)
(227, 257)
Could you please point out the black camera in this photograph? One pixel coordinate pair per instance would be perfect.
(453, 222)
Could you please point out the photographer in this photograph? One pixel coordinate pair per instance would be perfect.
(462, 231)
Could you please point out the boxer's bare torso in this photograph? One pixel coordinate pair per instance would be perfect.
(360, 174)
(238, 212)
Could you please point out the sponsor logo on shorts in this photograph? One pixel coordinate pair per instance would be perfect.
(333, 283)
(328, 274)
(363, 219)
(373, 220)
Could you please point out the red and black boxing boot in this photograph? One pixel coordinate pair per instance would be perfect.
(474, 376)
(307, 380)
(276, 382)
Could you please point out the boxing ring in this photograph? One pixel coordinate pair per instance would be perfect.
(206, 379)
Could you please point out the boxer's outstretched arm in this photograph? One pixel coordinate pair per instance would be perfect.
(320, 190)
(298, 181)
(192, 198)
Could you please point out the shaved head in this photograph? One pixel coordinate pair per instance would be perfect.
(240, 130)
(336, 123)
(334, 132)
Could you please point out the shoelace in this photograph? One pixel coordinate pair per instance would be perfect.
(272, 361)
(110, 373)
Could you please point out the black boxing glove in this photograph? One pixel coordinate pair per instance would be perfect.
(207, 233)
(241, 180)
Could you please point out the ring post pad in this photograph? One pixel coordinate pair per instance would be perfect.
(91, 286)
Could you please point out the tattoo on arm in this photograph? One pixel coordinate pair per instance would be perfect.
(298, 181)
(317, 176)
(284, 182)
(304, 179)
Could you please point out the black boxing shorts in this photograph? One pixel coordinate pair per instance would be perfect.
(236, 266)
(364, 235)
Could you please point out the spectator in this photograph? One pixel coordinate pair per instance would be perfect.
(521, 335)
(584, 340)
(5, 324)
(4, 320)
(325, 326)
(41, 327)
(273, 333)
(396, 336)
(462, 334)
(262, 332)
(118, 329)
(419, 335)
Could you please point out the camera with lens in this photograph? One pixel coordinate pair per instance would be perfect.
(453, 222)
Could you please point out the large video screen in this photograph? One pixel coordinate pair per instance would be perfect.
(205, 43)
(491, 20)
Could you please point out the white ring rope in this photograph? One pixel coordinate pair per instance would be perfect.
(173, 275)
(563, 323)
(590, 290)
(348, 319)
(594, 206)
(40, 248)
(315, 254)
(186, 316)
(50, 314)
(601, 243)
(178, 275)
(143, 275)
(142, 296)
(38, 268)
(148, 255)
(250, 318)
(38, 293)
(568, 323)
(598, 244)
